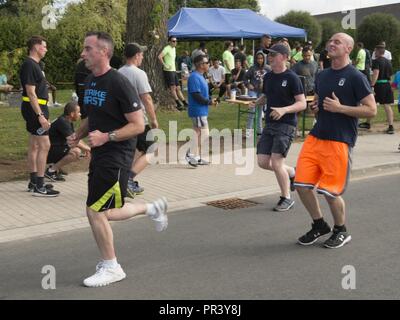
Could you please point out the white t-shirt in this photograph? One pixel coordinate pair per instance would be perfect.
(217, 74)
(138, 78)
(387, 55)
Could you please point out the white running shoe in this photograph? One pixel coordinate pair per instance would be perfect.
(160, 217)
(105, 276)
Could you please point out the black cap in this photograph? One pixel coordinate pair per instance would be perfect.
(279, 48)
(133, 48)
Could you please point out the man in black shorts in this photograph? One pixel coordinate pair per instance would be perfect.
(138, 78)
(284, 96)
(382, 72)
(167, 59)
(114, 119)
(60, 154)
(36, 114)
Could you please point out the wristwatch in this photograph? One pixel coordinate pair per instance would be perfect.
(112, 136)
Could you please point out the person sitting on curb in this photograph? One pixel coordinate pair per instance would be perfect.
(60, 154)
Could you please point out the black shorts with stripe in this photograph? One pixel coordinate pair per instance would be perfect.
(106, 187)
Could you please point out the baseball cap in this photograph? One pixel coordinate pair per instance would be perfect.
(279, 48)
(133, 48)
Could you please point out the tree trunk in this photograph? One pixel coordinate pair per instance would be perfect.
(147, 25)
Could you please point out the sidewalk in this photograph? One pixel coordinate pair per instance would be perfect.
(23, 216)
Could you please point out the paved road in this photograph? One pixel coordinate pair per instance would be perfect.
(210, 253)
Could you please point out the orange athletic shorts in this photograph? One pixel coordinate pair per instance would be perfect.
(325, 165)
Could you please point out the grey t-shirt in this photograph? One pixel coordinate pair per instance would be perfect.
(138, 78)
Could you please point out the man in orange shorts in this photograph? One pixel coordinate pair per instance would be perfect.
(342, 95)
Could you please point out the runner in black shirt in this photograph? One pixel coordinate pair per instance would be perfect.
(60, 154)
(284, 96)
(36, 114)
(382, 73)
(81, 73)
(114, 120)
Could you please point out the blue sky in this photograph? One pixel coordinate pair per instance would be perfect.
(275, 8)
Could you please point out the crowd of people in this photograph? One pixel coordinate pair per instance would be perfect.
(118, 114)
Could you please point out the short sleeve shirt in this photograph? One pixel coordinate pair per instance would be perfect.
(384, 66)
(197, 83)
(138, 78)
(361, 57)
(60, 129)
(31, 74)
(228, 57)
(350, 86)
(280, 90)
(169, 56)
(217, 74)
(107, 99)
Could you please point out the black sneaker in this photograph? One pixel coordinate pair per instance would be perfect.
(390, 130)
(338, 239)
(64, 173)
(31, 186)
(311, 236)
(292, 187)
(284, 204)
(364, 125)
(53, 176)
(44, 192)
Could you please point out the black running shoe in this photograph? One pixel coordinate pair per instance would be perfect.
(364, 125)
(390, 130)
(292, 187)
(338, 239)
(284, 204)
(53, 176)
(32, 186)
(311, 236)
(44, 192)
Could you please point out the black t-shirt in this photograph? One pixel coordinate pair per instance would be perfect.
(384, 66)
(31, 74)
(60, 129)
(240, 56)
(350, 86)
(326, 60)
(241, 75)
(280, 90)
(107, 99)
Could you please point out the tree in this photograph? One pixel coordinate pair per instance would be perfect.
(303, 19)
(378, 27)
(329, 28)
(147, 24)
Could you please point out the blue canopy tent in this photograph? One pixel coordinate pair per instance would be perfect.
(216, 23)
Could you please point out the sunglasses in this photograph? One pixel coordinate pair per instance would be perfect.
(204, 62)
(273, 54)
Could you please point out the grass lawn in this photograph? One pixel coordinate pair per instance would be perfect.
(13, 136)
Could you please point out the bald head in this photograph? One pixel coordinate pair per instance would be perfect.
(347, 39)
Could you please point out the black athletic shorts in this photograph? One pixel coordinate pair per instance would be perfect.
(383, 93)
(171, 79)
(142, 144)
(31, 118)
(56, 153)
(276, 138)
(106, 187)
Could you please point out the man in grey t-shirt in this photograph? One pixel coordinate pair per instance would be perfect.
(139, 80)
(307, 69)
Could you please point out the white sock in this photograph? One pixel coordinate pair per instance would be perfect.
(110, 263)
(288, 197)
(51, 169)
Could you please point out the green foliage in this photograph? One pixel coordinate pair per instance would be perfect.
(379, 27)
(303, 19)
(329, 28)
